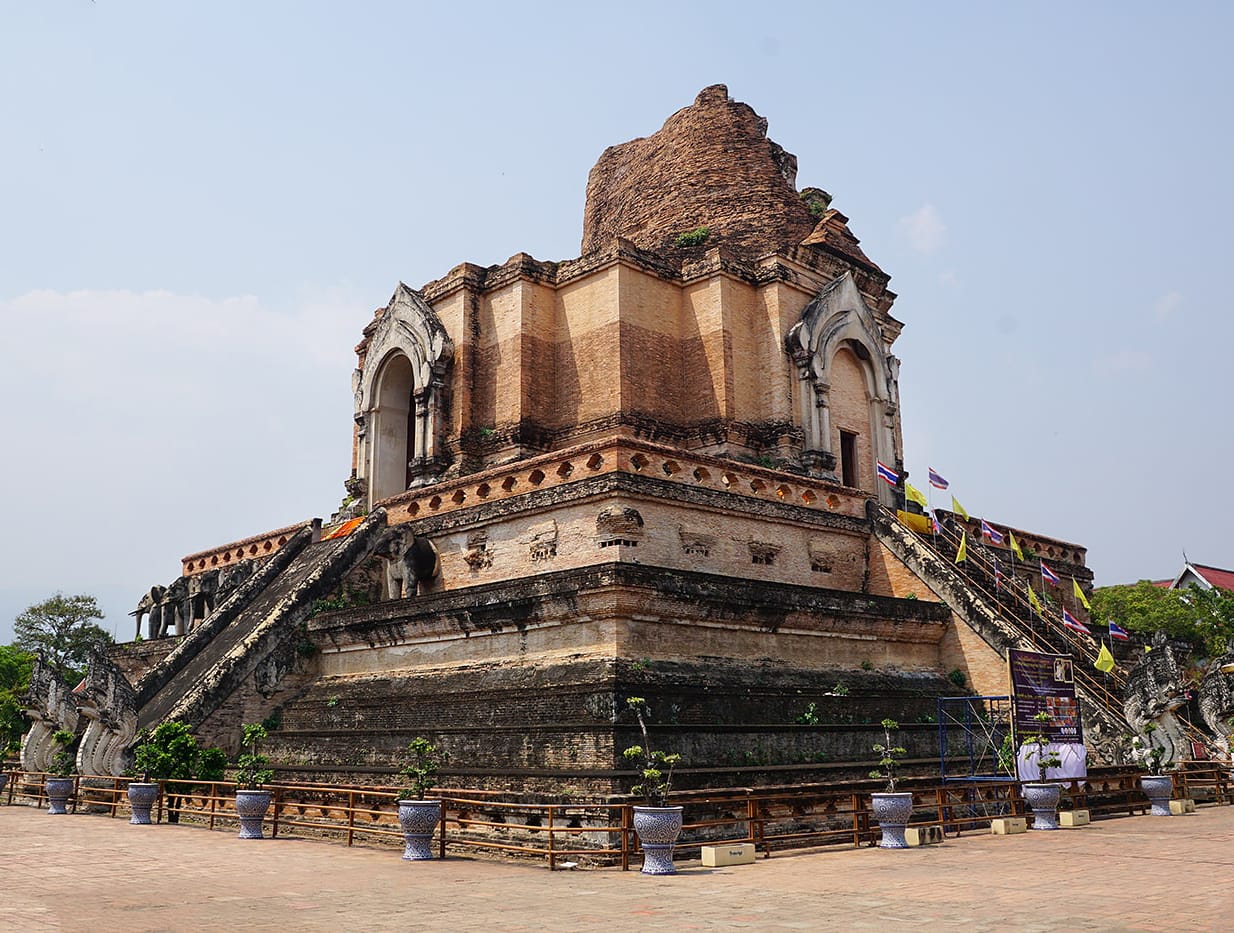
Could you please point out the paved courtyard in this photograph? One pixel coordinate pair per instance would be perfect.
(91, 873)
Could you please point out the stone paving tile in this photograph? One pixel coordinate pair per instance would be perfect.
(94, 875)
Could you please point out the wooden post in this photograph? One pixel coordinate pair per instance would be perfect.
(441, 841)
(552, 859)
(625, 837)
(351, 816)
(214, 800)
(274, 828)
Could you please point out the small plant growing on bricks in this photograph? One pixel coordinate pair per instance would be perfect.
(426, 761)
(655, 768)
(1045, 760)
(891, 754)
(251, 770)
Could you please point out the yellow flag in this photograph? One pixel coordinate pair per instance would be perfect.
(1033, 600)
(962, 553)
(1015, 548)
(913, 494)
(1079, 593)
(1105, 660)
(957, 508)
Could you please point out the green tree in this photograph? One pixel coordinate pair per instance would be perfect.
(15, 667)
(1205, 618)
(60, 629)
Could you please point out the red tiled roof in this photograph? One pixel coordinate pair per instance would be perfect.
(1164, 584)
(1222, 579)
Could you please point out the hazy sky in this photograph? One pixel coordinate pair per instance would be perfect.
(201, 205)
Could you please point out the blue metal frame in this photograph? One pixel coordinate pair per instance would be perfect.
(978, 735)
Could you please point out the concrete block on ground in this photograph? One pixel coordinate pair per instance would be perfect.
(1073, 819)
(739, 853)
(1181, 806)
(923, 835)
(1008, 825)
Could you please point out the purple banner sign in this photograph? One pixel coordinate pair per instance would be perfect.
(1044, 683)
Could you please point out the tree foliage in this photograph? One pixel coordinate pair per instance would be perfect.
(15, 667)
(60, 629)
(1205, 618)
(168, 753)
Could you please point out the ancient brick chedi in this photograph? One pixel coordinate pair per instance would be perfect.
(648, 471)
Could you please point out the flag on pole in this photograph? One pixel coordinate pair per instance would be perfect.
(962, 553)
(934, 523)
(887, 473)
(937, 481)
(958, 509)
(1105, 660)
(913, 494)
(998, 574)
(990, 533)
(1118, 632)
(1033, 600)
(1079, 594)
(1015, 546)
(1074, 624)
(1048, 574)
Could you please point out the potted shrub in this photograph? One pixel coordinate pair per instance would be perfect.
(252, 801)
(167, 753)
(1042, 797)
(656, 824)
(1158, 786)
(891, 809)
(417, 815)
(59, 786)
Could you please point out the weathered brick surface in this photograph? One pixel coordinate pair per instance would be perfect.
(710, 165)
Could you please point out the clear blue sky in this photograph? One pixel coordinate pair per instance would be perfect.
(201, 204)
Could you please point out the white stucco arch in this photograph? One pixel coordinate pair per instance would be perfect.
(836, 318)
(400, 397)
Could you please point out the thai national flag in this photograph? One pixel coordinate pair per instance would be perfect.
(990, 533)
(937, 481)
(1049, 574)
(1118, 632)
(998, 573)
(1074, 624)
(887, 473)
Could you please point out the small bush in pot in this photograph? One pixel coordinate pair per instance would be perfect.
(892, 810)
(252, 801)
(167, 753)
(417, 815)
(657, 824)
(1158, 786)
(1042, 796)
(63, 766)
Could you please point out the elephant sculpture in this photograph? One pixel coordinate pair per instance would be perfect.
(409, 561)
(150, 605)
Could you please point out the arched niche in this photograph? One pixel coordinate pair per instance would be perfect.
(401, 398)
(838, 325)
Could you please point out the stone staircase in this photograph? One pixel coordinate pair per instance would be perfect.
(996, 607)
(257, 627)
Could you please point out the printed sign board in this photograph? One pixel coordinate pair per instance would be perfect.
(1044, 683)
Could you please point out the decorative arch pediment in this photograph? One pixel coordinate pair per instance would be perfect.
(411, 327)
(838, 318)
(835, 316)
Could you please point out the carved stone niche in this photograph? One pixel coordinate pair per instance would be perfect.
(618, 525)
(477, 555)
(542, 541)
(763, 553)
(822, 556)
(695, 544)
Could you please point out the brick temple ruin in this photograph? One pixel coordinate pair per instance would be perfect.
(649, 471)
